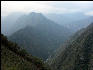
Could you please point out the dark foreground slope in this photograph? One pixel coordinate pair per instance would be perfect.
(77, 54)
(15, 58)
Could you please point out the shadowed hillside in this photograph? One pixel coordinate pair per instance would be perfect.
(15, 58)
(76, 54)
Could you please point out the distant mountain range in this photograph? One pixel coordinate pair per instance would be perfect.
(15, 21)
(39, 35)
(35, 31)
(77, 25)
(75, 54)
(8, 22)
(73, 21)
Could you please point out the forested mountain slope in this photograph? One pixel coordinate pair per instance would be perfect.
(15, 58)
(76, 54)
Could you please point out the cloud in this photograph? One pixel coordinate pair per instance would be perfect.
(45, 6)
(22, 6)
(89, 13)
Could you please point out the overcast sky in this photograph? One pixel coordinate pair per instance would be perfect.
(62, 7)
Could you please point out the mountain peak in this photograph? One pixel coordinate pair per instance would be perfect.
(36, 14)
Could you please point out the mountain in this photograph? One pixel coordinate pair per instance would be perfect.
(40, 36)
(73, 21)
(31, 19)
(77, 25)
(7, 22)
(15, 58)
(76, 53)
(15, 21)
(66, 18)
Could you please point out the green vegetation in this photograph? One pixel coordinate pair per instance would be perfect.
(15, 58)
(77, 54)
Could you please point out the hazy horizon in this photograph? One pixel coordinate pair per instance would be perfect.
(46, 7)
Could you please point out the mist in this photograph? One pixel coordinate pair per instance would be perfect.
(60, 7)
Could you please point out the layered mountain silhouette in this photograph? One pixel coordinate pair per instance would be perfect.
(39, 35)
(76, 53)
(74, 21)
(8, 22)
(77, 25)
(50, 38)
(15, 21)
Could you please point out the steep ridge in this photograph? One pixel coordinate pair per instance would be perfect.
(76, 54)
(15, 58)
